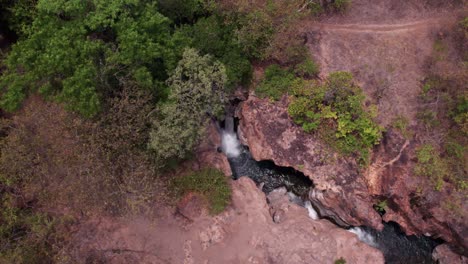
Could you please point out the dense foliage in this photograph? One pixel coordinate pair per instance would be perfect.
(197, 91)
(335, 109)
(210, 183)
(211, 35)
(78, 51)
(275, 83)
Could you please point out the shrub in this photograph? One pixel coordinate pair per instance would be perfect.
(401, 123)
(381, 206)
(210, 183)
(340, 5)
(276, 82)
(335, 109)
(431, 165)
(307, 69)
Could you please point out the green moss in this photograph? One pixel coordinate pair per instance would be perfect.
(210, 183)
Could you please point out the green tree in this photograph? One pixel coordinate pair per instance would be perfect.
(211, 35)
(76, 51)
(197, 91)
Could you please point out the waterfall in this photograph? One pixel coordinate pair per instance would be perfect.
(363, 236)
(229, 124)
(230, 144)
(312, 213)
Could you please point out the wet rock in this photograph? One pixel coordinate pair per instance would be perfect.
(207, 153)
(445, 255)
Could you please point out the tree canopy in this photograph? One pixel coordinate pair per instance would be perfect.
(77, 51)
(197, 91)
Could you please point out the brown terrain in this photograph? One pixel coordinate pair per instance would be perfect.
(385, 44)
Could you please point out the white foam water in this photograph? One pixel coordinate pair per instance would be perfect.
(363, 236)
(230, 144)
(312, 213)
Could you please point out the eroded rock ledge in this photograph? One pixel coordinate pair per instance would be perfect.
(271, 135)
(341, 191)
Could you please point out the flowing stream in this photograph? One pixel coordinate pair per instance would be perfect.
(394, 244)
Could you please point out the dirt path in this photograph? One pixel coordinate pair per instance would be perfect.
(384, 28)
(387, 59)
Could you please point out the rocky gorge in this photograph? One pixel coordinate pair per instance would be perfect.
(343, 192)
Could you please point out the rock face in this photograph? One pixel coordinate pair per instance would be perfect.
(283, 232)
(244, 233)
(207, 154)
(342, 193)
(411, 200)
(444, 255)
(339, 191)
(192, 206)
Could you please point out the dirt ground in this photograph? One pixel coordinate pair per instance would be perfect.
(385, 44)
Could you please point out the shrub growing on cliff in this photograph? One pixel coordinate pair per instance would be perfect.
(275, 83)
(335, 109)
(210, 183)
(197, 91)
(431, 165)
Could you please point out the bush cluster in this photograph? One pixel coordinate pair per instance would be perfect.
(335, 110)
(278, 81)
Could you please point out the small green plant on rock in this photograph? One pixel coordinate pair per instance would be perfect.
(401, 124)
(381, 206)
(210, 183)
(340, 261)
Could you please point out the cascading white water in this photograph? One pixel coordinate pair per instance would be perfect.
(312, 213)
(230, 144)
(363, 236)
